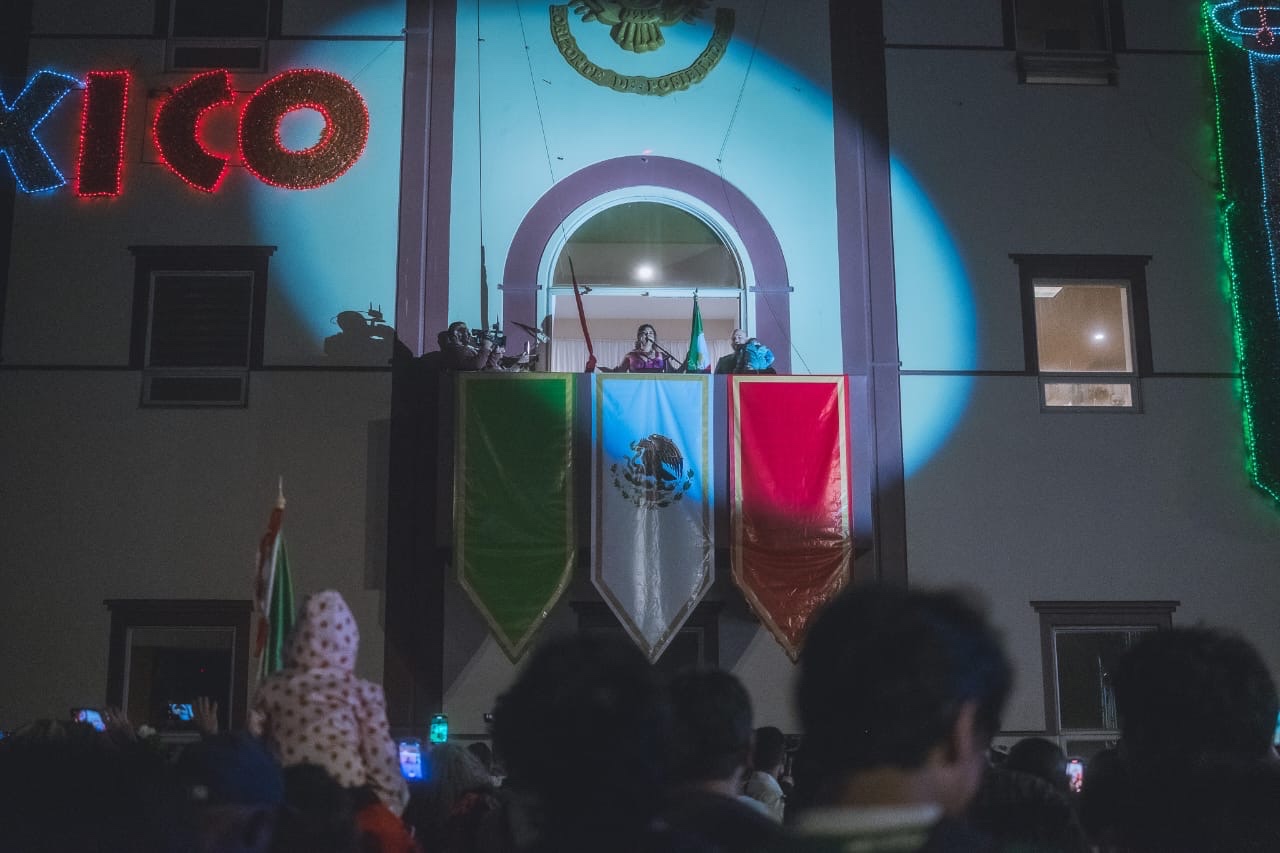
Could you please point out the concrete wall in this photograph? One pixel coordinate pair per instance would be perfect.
(525, 120)
(101, 499)
(1001, 498)
(71, 286)
(1021, 505)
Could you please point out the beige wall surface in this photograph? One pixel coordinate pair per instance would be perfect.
(1021, 506)
(101, 499)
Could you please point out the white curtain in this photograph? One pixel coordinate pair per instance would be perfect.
(570, 356)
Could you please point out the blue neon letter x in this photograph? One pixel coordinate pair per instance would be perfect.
(32, 168)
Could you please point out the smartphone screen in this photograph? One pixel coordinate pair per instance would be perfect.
(410, 758)
(439, 732)
(90, 716)
(180, 711)
(1075, 775)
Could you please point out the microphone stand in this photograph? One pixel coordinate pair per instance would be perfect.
(668, 354)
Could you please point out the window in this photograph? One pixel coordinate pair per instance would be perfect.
(1085, 329)
(1080, 643)
(198, 315)
(228, 34)
(1065, 41)
(173, 650)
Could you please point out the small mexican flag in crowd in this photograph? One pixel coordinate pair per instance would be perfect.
(273, 594)
(699, 359)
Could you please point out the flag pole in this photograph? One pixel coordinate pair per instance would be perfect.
(265, 585)
(582, 319)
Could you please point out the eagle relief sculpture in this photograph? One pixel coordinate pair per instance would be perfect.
(636, 26)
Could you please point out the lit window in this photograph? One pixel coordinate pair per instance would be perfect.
(1065, 41)
(1086, 329)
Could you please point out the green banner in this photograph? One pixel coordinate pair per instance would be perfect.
(512, 498)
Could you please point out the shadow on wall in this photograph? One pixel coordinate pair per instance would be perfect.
(376, 501)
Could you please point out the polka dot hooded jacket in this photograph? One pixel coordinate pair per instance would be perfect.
(316, 711)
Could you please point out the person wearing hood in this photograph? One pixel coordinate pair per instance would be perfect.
(316, 711)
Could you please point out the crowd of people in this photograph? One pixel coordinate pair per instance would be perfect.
(900, 693)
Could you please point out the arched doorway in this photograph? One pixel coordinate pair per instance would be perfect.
(532, 277)
(641, 255)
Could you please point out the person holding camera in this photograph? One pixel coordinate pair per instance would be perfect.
(749, 356)
(479, 350)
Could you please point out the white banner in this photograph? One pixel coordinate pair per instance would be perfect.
(651, 520)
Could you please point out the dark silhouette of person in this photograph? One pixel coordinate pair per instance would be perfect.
(584, 733)
(1197, 709)
(1022, 811)
(768, 758)
(711, 745)
(360, 340)
(899, 694)
(1042, 758)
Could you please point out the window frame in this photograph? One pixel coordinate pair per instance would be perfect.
(724, 230)
(1130, 269)
(231, 614)
(179, 50)
(1078, 67)
(150, 261)
(1088, 615)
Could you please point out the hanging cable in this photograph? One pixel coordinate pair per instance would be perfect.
(724, 183)
(546, 145)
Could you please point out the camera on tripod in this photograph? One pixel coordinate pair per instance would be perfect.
(494, 336)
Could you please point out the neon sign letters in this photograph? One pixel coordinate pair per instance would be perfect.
(32, 166)
(99, 165)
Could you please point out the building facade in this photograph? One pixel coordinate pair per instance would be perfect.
(998, 219)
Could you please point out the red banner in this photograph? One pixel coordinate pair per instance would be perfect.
(791, 502)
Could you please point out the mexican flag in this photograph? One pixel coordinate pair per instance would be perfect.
(652, 515)
(699, 359)
(273, 595)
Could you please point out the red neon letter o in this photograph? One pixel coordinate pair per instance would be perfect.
(345, 133)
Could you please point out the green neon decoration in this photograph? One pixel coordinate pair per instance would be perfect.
(1244, 64)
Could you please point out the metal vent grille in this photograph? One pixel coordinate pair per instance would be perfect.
(195, 388)
(200, 319)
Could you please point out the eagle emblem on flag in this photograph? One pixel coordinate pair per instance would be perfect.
(655, 474)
